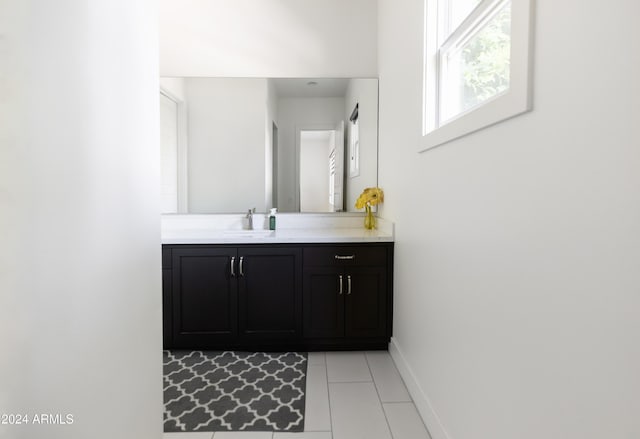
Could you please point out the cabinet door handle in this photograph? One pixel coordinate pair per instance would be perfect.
(233, 263)
(240, 266)
(345, 257)
(340, 291)
(349, 285)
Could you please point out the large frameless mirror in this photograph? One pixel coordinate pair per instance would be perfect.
(301, 145)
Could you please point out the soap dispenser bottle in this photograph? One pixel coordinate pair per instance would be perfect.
(272, 219)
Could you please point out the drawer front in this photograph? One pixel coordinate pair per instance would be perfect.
(345, 256)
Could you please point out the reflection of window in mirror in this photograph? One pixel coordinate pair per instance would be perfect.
(354, 144)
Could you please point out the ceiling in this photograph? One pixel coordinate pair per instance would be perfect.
(299, 87)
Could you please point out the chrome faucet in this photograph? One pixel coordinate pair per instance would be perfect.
(250, 217)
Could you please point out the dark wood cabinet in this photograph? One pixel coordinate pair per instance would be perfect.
(366, 302)
(277, 296)
(224, 296)
(323, 302)
(167, 308)
(269, 284)
(205, 298)
(346, 295)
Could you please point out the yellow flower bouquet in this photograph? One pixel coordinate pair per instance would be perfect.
(371, 196)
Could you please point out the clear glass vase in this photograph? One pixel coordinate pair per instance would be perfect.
(369, 219)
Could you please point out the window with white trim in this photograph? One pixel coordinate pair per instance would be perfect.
(476, 65)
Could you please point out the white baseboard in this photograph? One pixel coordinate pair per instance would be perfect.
(429, 416)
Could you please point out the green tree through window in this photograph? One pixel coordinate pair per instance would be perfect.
(486, 61)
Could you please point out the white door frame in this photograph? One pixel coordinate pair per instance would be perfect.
(183, 188)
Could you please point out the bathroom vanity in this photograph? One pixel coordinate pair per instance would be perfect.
(310, 288)
(318, 282)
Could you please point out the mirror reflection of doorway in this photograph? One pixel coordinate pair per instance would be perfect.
(321, 168)
(169, 153)
(315, 150)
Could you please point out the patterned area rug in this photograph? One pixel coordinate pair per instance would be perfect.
(234, 391)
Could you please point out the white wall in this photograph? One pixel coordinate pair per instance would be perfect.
(226, 144)
(295, 114)
(518, 247)
(80, 292)
(283, 38)
(365, 93)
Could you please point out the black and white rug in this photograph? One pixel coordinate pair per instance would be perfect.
(234, 391)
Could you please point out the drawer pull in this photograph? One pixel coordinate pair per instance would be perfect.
(240, 266)
(349, 285)
(233, 263)
(345, 258)
(340, 291)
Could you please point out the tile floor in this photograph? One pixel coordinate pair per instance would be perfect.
(350, 395)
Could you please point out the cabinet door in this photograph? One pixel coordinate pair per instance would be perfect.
(269, 292)
(204, 297)
(366, 302)
(323, 297)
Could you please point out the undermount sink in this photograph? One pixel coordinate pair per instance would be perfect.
(249, 233)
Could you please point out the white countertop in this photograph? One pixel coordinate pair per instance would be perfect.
(301, 229)
(204, 236)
